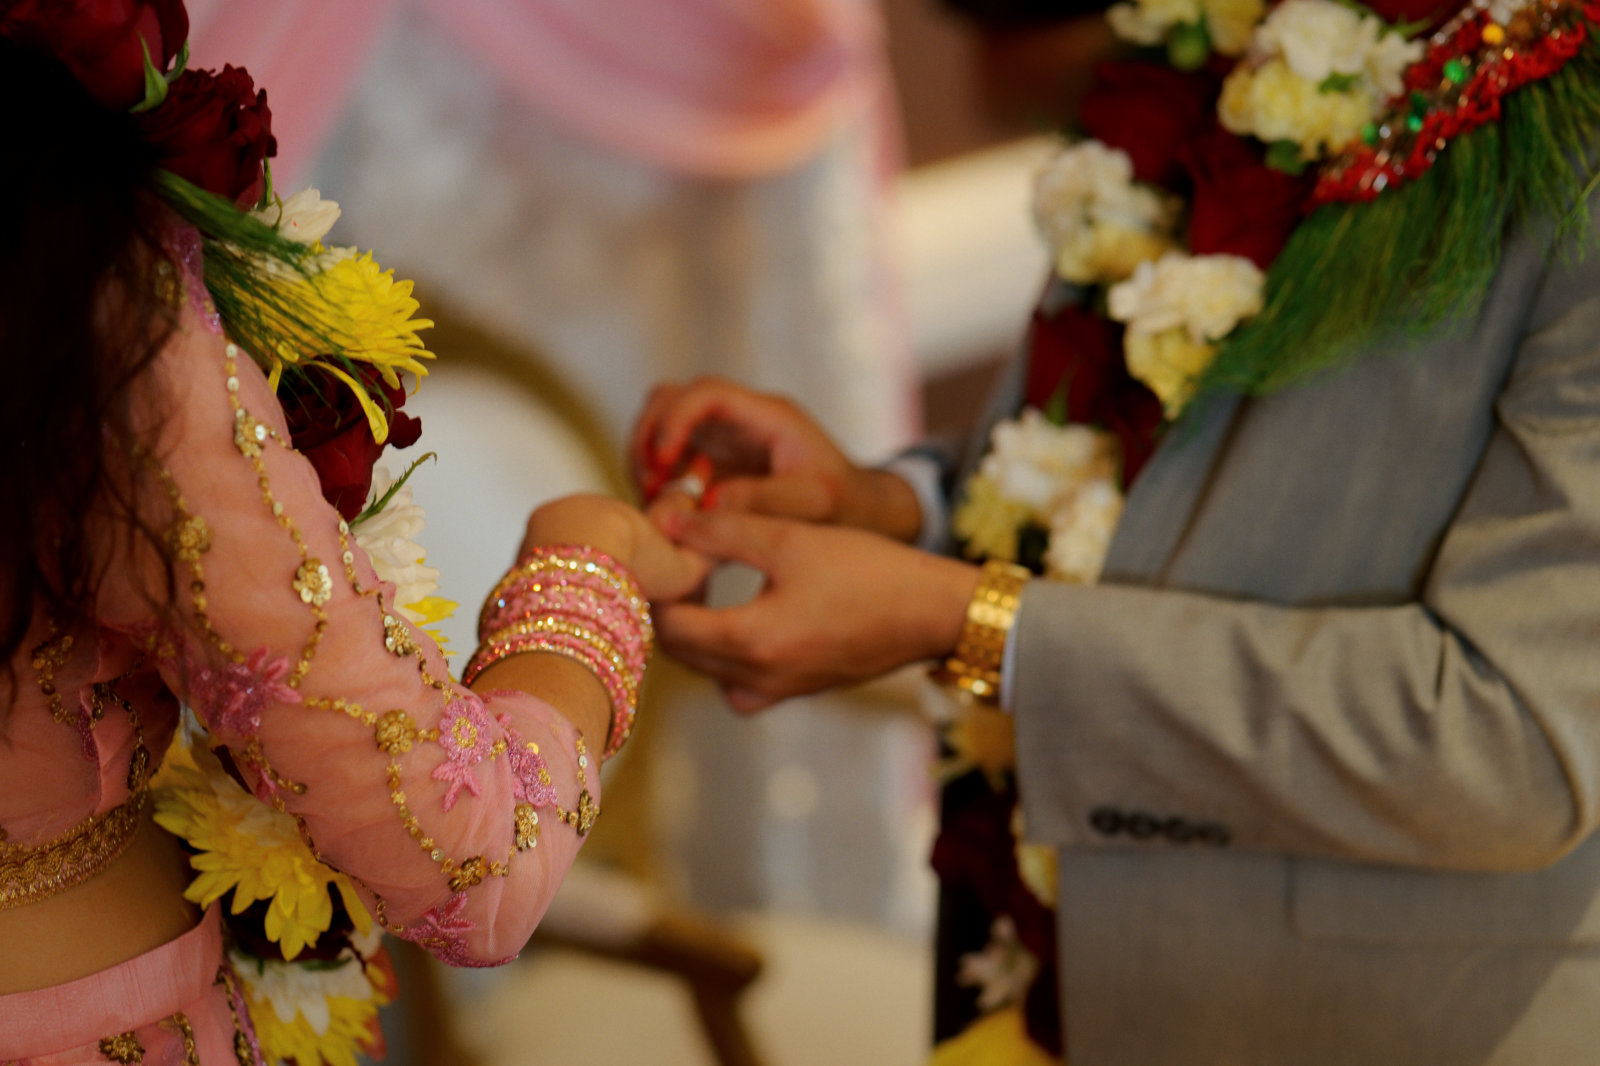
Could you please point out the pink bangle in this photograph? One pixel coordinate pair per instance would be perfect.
(576, 602)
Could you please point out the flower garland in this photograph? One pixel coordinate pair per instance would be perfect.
(334, 332)
(1258, 196)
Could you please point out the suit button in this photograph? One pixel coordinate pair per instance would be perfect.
(1107, 821)
(1213, 833)
(1177, 830)
(1141, 826)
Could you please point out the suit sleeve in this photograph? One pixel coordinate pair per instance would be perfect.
(1458, 731)
(456, 815)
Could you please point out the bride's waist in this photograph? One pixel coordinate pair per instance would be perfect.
(67, 910)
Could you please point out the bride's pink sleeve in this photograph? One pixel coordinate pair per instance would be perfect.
(457, 816)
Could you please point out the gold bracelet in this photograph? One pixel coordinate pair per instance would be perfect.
(975, 667)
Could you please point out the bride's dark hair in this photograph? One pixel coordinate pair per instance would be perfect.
(79, 320)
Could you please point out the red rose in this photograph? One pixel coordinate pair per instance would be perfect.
(1149, 111)
(102, 41)
(214, 130)
(1075, 359)
(328, 427)
(1241, 206)
(1428, 12)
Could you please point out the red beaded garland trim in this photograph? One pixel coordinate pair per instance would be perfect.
(1471, 64)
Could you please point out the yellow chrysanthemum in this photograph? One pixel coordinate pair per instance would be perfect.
(351, 308)
(987, 521)
(431, 611)
(982, 738)
(996, 1039)
(350, 1023)
(254, 851)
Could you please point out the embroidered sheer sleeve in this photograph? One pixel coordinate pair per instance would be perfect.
(457, 815)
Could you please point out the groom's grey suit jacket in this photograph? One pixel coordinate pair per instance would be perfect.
(1322, 750)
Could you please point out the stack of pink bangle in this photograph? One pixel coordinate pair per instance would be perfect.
(577, 602)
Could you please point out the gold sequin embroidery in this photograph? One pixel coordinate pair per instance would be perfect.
(124, 1048)
(313, 582)
(396, 637)
(469, 873)
(395, 732)
(527, 826)
(50, 656)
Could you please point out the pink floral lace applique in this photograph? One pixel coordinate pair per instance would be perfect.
(530, 773)
(230, 699)
(464, 735)
(442, 932)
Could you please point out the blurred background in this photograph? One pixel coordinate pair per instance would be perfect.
(826, 198)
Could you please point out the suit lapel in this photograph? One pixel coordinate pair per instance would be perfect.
(1163, 499)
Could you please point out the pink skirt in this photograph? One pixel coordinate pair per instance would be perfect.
(177, 1005)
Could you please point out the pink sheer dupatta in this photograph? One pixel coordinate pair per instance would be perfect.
(722, 89)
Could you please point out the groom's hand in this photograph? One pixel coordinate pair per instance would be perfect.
(839, 606)
(766, 456)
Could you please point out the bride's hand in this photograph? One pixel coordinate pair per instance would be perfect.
(665, 571)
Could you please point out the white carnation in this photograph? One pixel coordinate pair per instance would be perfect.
(1003, 971)
(1321, 38)
(1387, 61)
(1317, 38)
(291, 988)
(1149, 21)
(1036, 463)
(389, 538)
(1207, 295)
(1081, 529)
(1087, 191)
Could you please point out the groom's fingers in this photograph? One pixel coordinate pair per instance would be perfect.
(731, 535)
(702, 639)
(802, 496)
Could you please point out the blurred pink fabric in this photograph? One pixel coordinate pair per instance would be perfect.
(721, 89)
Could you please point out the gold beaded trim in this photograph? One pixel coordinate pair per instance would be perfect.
(975, 667)
(30, 874)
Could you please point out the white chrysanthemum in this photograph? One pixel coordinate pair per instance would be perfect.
(1204, 295)
(1036, 463)
(1003, 971)
(389, 538)
(304, 217)
(1097, 220)
(292, 988)
(1081, 529)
